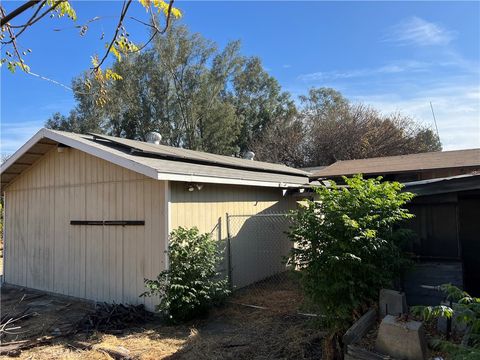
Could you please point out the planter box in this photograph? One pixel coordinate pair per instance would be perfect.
(356, 332)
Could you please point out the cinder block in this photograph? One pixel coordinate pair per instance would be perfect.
(458, 327)
(401, 339)
(392, 302)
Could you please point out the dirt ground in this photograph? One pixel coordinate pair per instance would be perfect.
(273, 329)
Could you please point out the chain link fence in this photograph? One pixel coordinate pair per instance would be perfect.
(257, 250)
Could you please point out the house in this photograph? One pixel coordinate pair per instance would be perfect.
(447, 246)
(403, 168)
(89, 215)
(446, 209)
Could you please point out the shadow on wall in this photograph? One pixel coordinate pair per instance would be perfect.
(259, 246)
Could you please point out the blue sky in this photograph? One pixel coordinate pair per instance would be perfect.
(396, 56)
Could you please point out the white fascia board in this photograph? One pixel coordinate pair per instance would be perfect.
(25, 147)
(228, 181)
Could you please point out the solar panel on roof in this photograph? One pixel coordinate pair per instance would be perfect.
(197, 156)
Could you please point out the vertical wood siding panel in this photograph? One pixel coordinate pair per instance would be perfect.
(148, 235)
(51, 229)
(129, 273)
(89, 251)
(140, 239)
(17, 274)
(24, 236)
(6, 241)
(10, 242)
(17, 239)
(30, 250)
(32, 234)
(59, 259)
(110, 240)
(118, 252)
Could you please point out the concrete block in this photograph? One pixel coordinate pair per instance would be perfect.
(392, 302)
(458, 328)
(401, 339)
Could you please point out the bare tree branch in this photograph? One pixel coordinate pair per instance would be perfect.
(126, 5)
(7, 17)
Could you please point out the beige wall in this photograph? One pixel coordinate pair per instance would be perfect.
(258, 244)
(104, 263)
(206, 208)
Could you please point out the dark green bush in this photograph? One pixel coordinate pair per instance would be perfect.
(347, 246)
(191, 285)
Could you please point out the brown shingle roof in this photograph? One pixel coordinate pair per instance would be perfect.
(403, 163)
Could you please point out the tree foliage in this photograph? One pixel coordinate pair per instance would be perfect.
(346, 246)
(465, 309)
(259, 101)
(203, 97)
(185, 87)
(339, 130)
(282, 141)
(192, 284)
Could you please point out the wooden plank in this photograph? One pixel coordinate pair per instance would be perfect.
(360, 328)
(355, 352)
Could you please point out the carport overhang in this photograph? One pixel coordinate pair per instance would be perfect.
(444, 185)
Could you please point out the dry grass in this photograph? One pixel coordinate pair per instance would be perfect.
(232, 331)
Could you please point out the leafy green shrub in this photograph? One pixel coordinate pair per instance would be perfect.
(465, 308)
(347, 248)
(454, 351)
(192, 284)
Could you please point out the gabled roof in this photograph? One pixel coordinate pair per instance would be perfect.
(156, 161)
(403, 163)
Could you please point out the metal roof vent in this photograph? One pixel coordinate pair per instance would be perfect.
(154, 138)
(249, 155)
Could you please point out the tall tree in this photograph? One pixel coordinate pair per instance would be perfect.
(339, 130)
(259, 100)
(282, 141)
(194, 94)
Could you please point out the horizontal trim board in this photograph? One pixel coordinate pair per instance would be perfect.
(226, 181)
(108, 222)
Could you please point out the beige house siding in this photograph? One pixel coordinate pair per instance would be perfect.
(102, 263)
(257, 244)
(206, 208)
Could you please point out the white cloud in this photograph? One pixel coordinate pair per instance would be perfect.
(419, 32)
(393, 68)
(14, 135)
(286, 66)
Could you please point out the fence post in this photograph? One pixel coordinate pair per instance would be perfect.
(229, 253)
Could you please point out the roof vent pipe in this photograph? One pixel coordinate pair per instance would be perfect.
(154, 138)
(249, 155)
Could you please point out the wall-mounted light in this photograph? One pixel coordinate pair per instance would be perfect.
(194, 186)
(61, 148)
